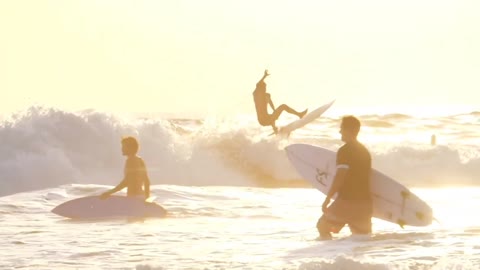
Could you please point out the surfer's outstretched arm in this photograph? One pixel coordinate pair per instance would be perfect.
(265, 75)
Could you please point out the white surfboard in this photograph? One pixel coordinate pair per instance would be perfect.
(392, 201)
(93, 207)
(309, 117)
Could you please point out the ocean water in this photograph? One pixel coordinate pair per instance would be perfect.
(234, 200)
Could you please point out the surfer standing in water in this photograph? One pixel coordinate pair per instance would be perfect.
(136, 178)
(262, 100)
(353, 205)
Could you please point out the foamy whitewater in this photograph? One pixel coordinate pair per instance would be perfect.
(234, 200)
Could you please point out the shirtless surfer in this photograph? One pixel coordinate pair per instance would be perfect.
(136, 178)
(262, 100)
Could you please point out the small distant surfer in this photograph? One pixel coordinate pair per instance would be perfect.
(353, 205)
(433, 139)
(135, 172)
(262, 100)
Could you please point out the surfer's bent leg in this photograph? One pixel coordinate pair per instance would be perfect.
(360, 221)
(326, 226)
(357, 214)
(276, 113)
(334, 219)
(275, 129)
(322, 227)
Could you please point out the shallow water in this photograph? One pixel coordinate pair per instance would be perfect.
(229, 190)
(222, 227)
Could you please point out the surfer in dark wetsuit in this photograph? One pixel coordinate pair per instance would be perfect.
(262, 100)
(353, 205)
(136, 178)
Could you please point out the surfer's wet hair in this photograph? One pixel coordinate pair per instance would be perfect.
(130, 144)
(351, 123)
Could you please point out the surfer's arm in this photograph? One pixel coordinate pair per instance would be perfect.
(119, 187)
(123, 184)
(336, 185)
(265, 74)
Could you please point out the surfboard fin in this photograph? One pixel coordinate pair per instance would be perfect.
(401, 223)
(420, 215)
(150, 199)
(405, 194)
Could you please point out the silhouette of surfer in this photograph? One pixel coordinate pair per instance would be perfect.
(262, 99)
(136, 178)
(353, 205)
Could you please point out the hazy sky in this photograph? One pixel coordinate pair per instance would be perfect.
(206, 56)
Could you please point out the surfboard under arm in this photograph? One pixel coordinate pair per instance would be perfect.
(392, 201)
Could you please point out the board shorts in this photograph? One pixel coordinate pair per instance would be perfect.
(357, 214)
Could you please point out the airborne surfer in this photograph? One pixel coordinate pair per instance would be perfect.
(262, 99)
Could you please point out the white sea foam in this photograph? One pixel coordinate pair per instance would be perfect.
(45, 147)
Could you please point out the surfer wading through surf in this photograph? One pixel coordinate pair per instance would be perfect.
(353, 205)
(262, 99)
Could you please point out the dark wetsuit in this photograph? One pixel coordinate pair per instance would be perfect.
(356, 158)
(353, 206)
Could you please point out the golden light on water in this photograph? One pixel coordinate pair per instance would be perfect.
(452, 211)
